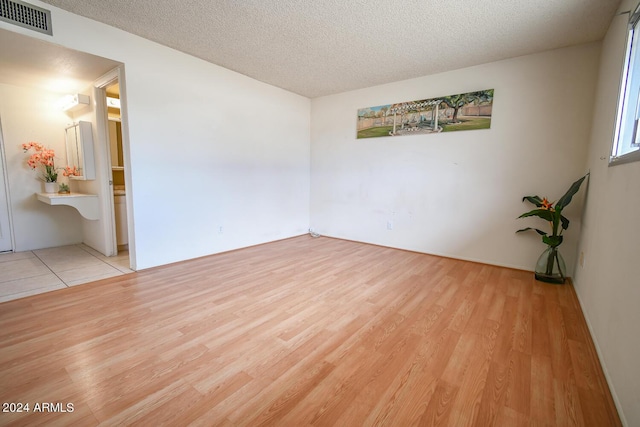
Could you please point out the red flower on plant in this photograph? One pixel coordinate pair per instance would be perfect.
(545, 204)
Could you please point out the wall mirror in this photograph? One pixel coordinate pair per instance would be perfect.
(79, 141)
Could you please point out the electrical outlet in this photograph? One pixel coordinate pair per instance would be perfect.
(220, 230)
(389, 225)
(582, 259)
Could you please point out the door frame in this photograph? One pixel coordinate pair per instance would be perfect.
(5, 176)
(102, 125)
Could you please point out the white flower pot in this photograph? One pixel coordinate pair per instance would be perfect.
(50, 187)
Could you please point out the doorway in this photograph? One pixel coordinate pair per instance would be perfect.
(39, 65)
(114, 120)
(6, 238)
(110, 87)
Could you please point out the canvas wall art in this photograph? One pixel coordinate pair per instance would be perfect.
(464, 111)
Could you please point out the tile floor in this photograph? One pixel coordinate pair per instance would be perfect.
(34, 272)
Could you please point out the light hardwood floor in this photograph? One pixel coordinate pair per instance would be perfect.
(302, 332)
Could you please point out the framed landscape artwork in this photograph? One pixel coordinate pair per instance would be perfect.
(464, 111)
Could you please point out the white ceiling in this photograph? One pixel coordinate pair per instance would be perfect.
(320, 47)
(26, 61)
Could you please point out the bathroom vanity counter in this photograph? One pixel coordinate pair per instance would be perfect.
(86, 204)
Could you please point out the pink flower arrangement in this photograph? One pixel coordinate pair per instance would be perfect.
(70, 171)
(42, 157)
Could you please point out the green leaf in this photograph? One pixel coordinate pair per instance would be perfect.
(540, 232)
(536, 200)
(565, 222)
(556, 222)
(552, 241)
(566, 199)
(542, 213)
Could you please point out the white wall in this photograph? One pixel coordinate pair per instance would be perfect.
(213, 149)
(209, 148)
(458, 194)
(608, 285)
(31, 115)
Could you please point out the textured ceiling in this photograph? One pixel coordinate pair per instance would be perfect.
(320, 47)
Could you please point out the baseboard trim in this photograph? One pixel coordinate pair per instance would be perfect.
(438, 254)
(603, 366)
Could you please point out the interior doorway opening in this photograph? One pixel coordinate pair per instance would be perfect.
(112, 120)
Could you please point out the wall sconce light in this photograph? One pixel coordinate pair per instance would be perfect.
(74, 102)
(113, 102)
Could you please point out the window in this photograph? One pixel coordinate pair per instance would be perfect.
(626, 144)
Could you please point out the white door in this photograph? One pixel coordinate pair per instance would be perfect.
(5, 225)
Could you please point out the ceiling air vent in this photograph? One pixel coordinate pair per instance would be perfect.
(26, 15)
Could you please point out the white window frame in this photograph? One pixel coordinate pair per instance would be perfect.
(626, 141)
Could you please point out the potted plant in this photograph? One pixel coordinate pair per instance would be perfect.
(64, 189)
(43, 157)
(550, 266)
